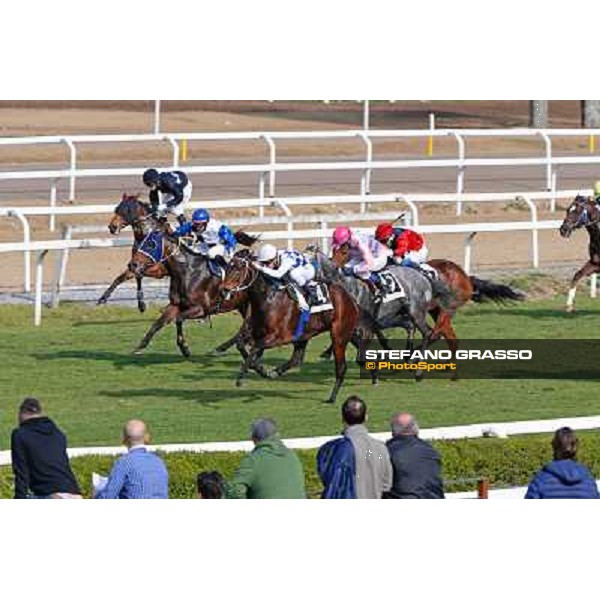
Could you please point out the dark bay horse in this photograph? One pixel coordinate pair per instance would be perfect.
(131, 212)
(273, 318)
(194, 291)
(583, 212)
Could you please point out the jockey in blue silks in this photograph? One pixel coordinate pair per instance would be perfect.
(210, 237)
(297, 269)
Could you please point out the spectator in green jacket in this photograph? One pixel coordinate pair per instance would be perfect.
(270, 471)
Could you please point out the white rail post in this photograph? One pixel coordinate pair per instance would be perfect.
(366, 115)
(272, 162)
(413, 209)
(175, 147)
(288, 213)
(550, 174)
(52, 223)
(324, 238)
(593, 285)
(39, 283)
(460, 176)
(366, 181)
(535, 251)
(61, 267)
(468, 245)
(27, 253)
(72, 167)
(156, 117)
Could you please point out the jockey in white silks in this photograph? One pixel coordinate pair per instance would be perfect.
(296, 268)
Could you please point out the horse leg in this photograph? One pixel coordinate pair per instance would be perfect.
(252, 361)
(140, 295)
(170, 313)
(585, 271)
(295, 360)
(446, 330)
(125, 276)
(181, 341)
(327, 353)
(420, 321)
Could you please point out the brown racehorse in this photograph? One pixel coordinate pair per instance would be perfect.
(583, 212)
(131, 212)
(273, 318)
(194, 290)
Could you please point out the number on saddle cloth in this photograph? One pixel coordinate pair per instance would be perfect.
(390, 286)
(318, 298)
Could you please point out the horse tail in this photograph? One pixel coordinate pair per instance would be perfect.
(484, 291)
(245, 239)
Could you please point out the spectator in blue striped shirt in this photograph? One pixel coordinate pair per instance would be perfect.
(139, 474)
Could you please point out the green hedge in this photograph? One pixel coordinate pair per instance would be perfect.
(506, 462)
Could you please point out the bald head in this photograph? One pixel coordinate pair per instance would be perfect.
(135, 433)
(404, 424)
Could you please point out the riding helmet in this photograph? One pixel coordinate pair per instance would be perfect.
(200, 215)
(151, 177)
(341, 236)
(266, 253)
(384, 232)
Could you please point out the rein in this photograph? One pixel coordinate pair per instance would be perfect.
(253, 276)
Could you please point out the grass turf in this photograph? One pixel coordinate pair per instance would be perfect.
(79, 365)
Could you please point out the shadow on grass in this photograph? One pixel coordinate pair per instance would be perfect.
(206, 397)
(537, 313)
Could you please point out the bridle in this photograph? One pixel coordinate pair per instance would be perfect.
(250, 274)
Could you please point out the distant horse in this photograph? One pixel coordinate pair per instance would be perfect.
(583, 212)
(194, 290)
(274, 315)
(131, 212)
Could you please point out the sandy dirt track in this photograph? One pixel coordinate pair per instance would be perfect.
(491, 250)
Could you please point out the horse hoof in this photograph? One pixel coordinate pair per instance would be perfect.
(137, 351)
(274, 374)
(101, 302)
(216, 352)
(325, 356)
(240, 383)
(142, 307)
(570, 309)
(329, 401)
(185, 352)
(374, 381)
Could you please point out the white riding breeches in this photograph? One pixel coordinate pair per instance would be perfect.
(303, 274)
(217, 250)
(361, 269)
(179, 208)
(418, 256)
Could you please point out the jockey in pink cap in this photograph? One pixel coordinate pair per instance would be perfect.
(366, 255)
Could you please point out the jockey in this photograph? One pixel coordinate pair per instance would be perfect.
(407, 246)
(170, 191)
(211, 237)
(366, 256)
(293, 266)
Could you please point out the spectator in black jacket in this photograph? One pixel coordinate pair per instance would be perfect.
(39, 456)
(416, 464)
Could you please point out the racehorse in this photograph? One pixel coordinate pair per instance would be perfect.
(194, 291)
(131, 212)
(462, 288)
(273, 318)
(583, 212)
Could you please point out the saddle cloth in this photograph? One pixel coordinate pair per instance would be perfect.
(317, 295)
(391, 288)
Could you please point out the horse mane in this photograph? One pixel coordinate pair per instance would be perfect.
(246, 254)
(127, 206)
(245, 239)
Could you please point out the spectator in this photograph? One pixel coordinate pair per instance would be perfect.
(416, 464)
(209, 485)
(39, 456)
(356, 465)
(139, 474)
(270, 471)
(563, 477)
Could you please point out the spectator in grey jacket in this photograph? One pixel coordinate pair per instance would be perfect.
(372, 462)
(416, 464)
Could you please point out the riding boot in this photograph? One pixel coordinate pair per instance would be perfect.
(301, 325)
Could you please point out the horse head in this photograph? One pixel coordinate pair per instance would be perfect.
(128, 212)
(583, 211)
(155, 249)
(240, 274)
(340, 255)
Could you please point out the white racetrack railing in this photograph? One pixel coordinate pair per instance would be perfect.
(439, 433)
(268, 170)
(289, 218)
